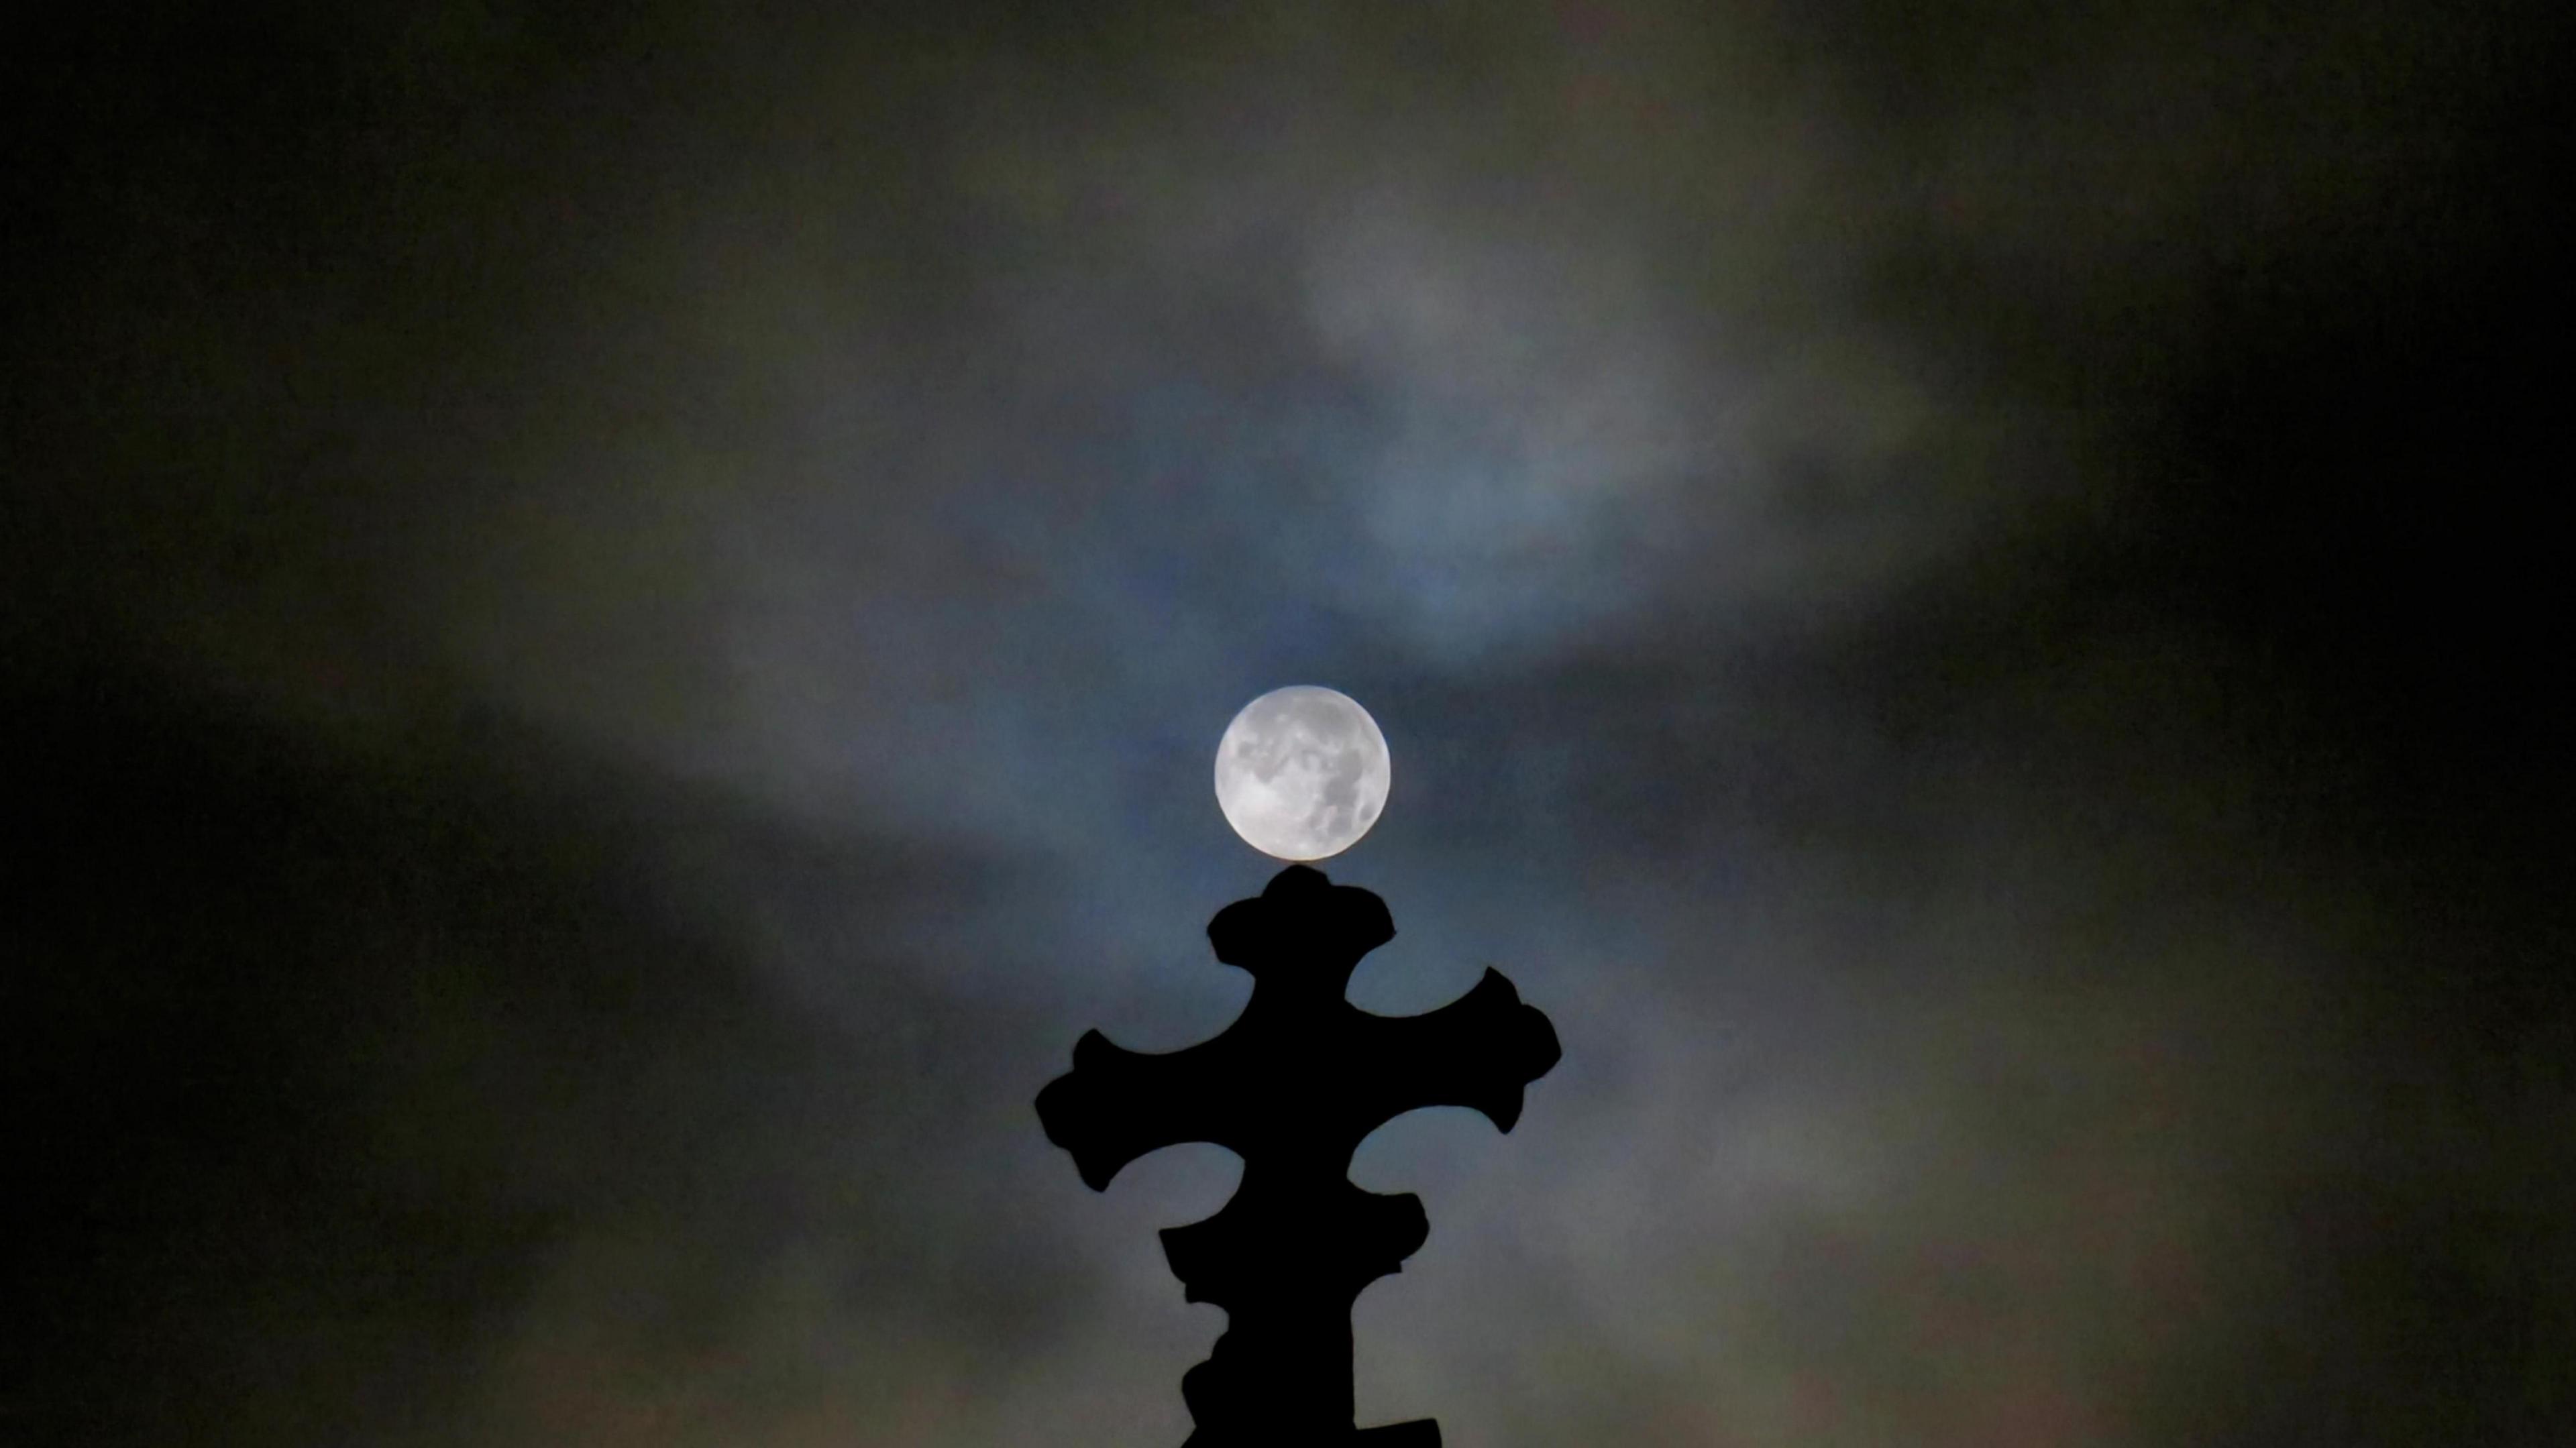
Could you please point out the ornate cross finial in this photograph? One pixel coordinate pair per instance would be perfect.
(1293, 1087)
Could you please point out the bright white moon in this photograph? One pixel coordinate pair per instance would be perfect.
(1302, 773)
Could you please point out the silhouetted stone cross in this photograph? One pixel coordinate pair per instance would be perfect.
(1292, 1087)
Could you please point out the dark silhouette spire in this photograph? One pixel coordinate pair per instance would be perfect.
(1293, 1087)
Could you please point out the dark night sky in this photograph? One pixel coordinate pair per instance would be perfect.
(616, 617)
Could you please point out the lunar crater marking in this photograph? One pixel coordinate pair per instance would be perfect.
(1302, 773)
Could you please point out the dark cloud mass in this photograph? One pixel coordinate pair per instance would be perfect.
(616, 618)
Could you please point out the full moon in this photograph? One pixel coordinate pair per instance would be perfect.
(1302, 773)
